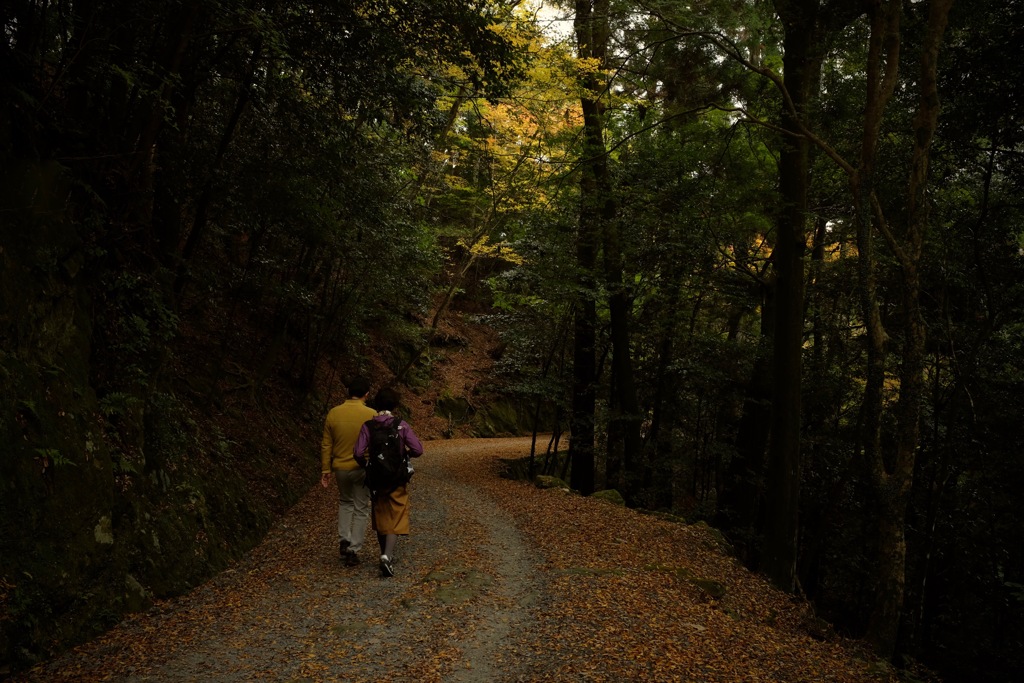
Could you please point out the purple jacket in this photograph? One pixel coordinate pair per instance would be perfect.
(410, 442)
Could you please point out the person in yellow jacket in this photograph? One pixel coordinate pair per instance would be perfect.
(341, 429)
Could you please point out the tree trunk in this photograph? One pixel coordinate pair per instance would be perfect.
(202, 209)
(742, 488)
(599, 211)
(883, 57)
(587, 28)
(808, 24)
(625, 410)
(584, 371)
(802, 64)
(659, 449)
(894, 482)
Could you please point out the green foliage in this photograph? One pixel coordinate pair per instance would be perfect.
(119, 404)
(134, 324)
(53, 457)
(196, 231)
(231, 208)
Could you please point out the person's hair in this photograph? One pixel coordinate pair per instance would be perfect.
(358, 387)
(386, 399)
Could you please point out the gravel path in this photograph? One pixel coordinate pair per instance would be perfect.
(464, 592)
(499, 582)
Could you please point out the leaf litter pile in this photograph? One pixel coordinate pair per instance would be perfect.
(499, 581)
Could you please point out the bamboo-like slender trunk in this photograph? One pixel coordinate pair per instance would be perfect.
(894, 482)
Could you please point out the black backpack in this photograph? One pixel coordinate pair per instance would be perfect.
(387, 465)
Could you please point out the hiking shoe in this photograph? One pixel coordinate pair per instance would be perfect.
(386, 570)
(350, 558)
(343, 547)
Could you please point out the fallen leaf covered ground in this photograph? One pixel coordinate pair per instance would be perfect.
(499, 581)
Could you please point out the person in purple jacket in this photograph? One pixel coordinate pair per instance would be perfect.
(390, 510)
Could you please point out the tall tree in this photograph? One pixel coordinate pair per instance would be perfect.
(596, 206)
(891, 473)
(598, 218)
(808, 25)
(893, 476)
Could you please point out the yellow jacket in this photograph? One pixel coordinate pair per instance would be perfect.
(341, 429)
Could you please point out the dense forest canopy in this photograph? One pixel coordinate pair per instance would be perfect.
(756, 263)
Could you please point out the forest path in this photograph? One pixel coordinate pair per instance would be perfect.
(499, 581)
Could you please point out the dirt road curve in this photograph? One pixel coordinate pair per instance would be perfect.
(499, 582)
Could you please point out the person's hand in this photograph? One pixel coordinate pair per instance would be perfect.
(325, 478)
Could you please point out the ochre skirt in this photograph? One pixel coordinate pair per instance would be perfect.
(391, 512)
